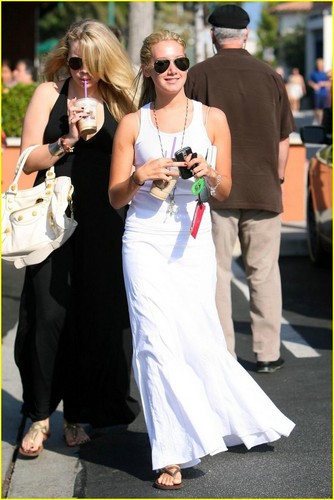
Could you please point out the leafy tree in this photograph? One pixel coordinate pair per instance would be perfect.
(175, 16)
(288, 50)
(56, 17)
(268, 32)
(292, 46)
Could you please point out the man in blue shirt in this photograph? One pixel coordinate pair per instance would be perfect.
(320, 84)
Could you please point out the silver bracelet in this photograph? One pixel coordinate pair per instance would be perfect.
(56, 148)
(214, 189)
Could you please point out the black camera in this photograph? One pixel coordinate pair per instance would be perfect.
(181, 155)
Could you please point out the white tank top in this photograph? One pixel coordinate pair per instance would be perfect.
(149, 213)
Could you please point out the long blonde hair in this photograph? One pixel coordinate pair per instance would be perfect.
(105, 59)
(148, 93)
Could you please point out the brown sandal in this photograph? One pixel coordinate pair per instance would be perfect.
(33, 431)
(73, 433)
(169, 471)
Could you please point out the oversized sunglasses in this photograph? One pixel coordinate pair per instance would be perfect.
(75, 62)
(161, 65)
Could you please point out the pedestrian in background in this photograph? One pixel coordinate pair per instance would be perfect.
(73, 310)
(197, 399)
(296, 89)
(7, 76)
(24, 71)
(254, 98)
(320, 83)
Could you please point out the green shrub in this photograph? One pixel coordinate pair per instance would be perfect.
(15, 101)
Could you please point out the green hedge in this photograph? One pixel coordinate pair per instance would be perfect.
(15, 101)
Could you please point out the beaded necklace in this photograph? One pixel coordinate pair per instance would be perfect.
(172, 208)
(158, 130)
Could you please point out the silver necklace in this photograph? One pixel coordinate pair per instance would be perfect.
(172, 208)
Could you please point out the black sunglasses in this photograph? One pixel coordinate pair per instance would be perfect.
(75, 62)
(161, 65)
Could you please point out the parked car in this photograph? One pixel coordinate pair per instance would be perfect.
(319, 194)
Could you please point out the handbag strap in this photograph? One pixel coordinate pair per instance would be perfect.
(21, 162)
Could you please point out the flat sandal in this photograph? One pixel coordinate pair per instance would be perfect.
(75, 430)
(168, 470)
(34, 429)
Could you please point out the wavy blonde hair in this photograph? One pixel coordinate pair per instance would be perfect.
(105, 59)
(148, 93)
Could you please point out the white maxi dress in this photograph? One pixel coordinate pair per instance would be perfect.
(197, 399)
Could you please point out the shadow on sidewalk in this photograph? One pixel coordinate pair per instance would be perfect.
(121, 449)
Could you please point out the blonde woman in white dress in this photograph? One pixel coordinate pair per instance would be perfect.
(197, 399)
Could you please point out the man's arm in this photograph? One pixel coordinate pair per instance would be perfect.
(283, 154)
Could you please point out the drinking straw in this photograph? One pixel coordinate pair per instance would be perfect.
(173, 148)
(85, 88)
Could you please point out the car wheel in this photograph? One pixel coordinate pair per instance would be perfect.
(315, 249)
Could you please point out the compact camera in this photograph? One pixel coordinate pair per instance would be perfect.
(181, 155)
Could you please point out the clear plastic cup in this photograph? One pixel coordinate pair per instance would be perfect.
(87, 124)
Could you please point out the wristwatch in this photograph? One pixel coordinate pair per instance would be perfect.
(281, 179)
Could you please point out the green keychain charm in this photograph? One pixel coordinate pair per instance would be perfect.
(197, 186)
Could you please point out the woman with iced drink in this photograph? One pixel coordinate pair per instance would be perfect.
(69, 343)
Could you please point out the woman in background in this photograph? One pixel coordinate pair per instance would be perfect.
(296, 89)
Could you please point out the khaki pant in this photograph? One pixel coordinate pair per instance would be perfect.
(259, 234)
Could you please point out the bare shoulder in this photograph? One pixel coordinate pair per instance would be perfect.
(216, 115)
(131, 118)
(216, 121)
(48, 92)
(213, 115)
(49, 88)
(130, 124)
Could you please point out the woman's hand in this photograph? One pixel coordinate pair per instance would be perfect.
(159, 169)
(199, 166)
(74, 115)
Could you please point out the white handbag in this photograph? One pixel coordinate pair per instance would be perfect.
(34, 222)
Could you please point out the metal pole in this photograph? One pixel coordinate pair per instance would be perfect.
(199, 32)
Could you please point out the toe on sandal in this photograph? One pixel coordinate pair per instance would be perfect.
(169, 470)
(33, 431)
(73, 433)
